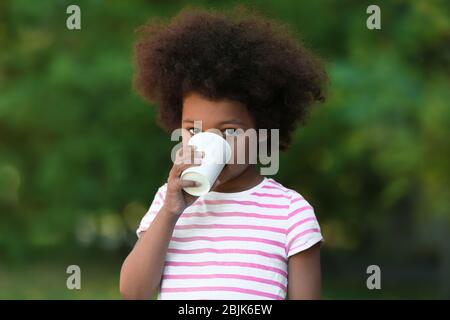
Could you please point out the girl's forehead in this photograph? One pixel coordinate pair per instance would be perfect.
(199, 108)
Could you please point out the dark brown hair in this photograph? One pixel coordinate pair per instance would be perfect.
(238, 55)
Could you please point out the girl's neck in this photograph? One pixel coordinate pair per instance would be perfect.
(246, 180)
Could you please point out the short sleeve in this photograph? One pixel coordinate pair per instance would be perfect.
(303, 229)
(155, 206)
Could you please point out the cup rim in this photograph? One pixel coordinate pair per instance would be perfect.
(228, 146)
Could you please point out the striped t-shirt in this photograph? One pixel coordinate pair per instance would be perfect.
(235, 245)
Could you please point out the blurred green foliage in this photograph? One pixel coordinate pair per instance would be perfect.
(79, 149)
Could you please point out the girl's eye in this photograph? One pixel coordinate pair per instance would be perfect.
(193, 131)
(230, 132)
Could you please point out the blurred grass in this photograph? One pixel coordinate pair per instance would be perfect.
(45, 278)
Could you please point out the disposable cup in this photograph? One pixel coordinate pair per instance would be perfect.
(217, 153)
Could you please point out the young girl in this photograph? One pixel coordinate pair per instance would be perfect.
(250, 237)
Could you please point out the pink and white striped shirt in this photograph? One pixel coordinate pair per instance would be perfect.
(235, 245)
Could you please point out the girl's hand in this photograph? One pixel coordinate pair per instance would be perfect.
(177, 200)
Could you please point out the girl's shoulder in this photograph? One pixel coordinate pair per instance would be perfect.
(277, 188)
(292, 200)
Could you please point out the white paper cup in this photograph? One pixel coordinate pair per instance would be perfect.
(217, 154)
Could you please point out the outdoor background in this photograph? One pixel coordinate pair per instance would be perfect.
(81, 156)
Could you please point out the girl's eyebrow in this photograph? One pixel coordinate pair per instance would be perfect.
(232, 121)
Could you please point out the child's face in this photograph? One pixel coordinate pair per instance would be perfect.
(225, 116)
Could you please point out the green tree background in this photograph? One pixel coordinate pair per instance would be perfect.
(79, 149)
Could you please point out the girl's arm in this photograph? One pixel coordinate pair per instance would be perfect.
(304, 274)
(141, 272)
(142, 269)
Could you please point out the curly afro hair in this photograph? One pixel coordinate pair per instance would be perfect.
(237, 55)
